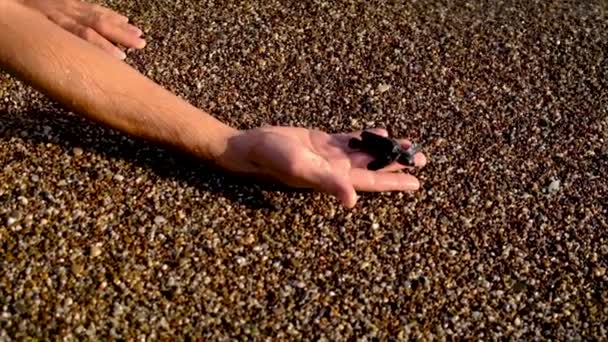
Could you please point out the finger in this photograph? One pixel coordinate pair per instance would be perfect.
(374, 181)
(91, 36)
(338, 186)
(124, 34)
(115, 16)
(120, 33)
(303, 167)
(362, 160)
(329, 183)
(286, 160)
(133, 29)
(420, 159)
(91, 9)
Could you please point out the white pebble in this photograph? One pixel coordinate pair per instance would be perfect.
(171, 282)
(383, 87)
(554, 186)
(119, 178)
(163, 323)
(159, 220)
(95, 250)
(68, 301)
(442, 159)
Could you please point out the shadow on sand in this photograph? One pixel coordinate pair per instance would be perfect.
(70, 131)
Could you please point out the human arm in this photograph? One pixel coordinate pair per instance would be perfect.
(99, 25)
(81, 77)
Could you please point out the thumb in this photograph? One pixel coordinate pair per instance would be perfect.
(340, 186)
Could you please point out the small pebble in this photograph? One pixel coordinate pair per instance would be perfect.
(12, 218)
(249, 239)
(240, 260)
(160, 220)
(554, 186)
(68, 301)
(442, 159)
(23, 200)
(95, 250)
(244, 259)
(383, 88)
(11, 221)
(77, 268)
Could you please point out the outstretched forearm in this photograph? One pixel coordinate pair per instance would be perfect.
(84, 79)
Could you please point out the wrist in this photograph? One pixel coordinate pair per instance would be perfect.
(210, 143)
(233, 153)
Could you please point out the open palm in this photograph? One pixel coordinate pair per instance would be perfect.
(308, 158)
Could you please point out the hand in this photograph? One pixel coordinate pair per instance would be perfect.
(306, 158)
(95, 24)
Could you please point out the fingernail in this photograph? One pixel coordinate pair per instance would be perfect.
(120, 54)
(415, 184)
(355, 200)
(141, 44)
(134, 29)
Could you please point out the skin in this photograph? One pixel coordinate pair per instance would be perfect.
(96, 24)
(78, 73)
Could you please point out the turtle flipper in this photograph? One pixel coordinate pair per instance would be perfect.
(378, 164)
(407, 157)
(355, 143)
(376, 142)
(406, 160)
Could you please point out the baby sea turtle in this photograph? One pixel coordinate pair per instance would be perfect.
(384, 150)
